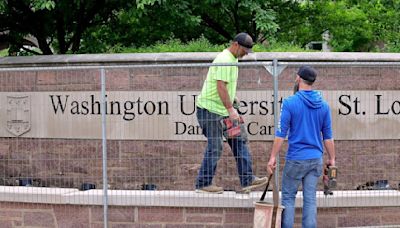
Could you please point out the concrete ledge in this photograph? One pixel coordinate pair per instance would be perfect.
(187, 198)
(34, 194)
(191, 57)
(368, 198)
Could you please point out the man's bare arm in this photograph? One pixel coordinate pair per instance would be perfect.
(224, 96)
(276, 147)
(330, 148)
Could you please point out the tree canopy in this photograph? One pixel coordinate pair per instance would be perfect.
(56, 26)
(77, 26)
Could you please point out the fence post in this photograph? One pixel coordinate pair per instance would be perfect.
(104, 145)
(275, 74)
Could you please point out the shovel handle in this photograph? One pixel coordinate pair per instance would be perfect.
(266, 188)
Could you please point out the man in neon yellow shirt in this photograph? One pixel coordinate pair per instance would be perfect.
(215, 103)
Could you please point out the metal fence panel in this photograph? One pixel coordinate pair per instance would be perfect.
(53, 143)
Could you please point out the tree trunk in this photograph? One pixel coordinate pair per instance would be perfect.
(216, 27)
(61, 33)
(43, 45)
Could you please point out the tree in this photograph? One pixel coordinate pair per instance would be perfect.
(353, 25)
(229, 17)
(383, 16)
(158, 20)
(143, 25)
(88, 26)
(57, 25)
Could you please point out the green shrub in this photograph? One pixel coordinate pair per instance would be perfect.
(279, 47)
(173, 45)
(392, 47)
(199, 45)
(202, 45)
(4, 53)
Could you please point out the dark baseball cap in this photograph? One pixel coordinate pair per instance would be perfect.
(307, 73)
(245, 41)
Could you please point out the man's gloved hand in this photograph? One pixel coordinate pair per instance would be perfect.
(233, 114)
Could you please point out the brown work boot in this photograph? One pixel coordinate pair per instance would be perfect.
(210, 189)
(257, 182)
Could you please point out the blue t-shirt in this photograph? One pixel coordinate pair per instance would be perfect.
(307, 118)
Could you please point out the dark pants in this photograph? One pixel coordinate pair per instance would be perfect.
(212, 129)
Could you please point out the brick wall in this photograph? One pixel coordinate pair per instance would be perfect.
(46, 215)
(173, 165)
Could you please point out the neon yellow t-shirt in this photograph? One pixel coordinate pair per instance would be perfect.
(209, 98)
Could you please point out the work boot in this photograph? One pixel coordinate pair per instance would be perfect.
(210, 189)
(257, 182)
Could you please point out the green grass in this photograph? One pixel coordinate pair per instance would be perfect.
(4, 53)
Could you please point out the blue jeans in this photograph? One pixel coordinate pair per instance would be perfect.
(211, 126)
(306, 172)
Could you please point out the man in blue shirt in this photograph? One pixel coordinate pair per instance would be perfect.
(306, 118)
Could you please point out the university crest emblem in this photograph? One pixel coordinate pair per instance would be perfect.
(18, 114)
